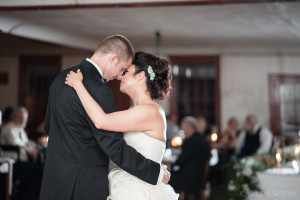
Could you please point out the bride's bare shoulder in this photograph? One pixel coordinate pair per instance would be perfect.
(150, 109)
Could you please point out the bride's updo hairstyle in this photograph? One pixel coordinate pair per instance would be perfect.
(157, 72)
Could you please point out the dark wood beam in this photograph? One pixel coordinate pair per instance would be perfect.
(137, 4)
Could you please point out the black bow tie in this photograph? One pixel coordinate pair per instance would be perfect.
(104, 80)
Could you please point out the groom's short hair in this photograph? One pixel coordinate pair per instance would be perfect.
(117, 44)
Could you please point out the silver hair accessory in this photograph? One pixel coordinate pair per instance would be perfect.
(151, 73)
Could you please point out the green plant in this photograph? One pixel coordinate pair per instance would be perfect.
(241, 175)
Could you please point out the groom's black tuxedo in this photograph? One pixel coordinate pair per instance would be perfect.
(77, 156)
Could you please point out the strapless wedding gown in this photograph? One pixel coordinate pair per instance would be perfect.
(124, 186)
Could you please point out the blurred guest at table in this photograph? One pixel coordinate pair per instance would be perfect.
(229, 138)
(172, 128)
(5, 118)
(228, 141)
(202, 124)
(188, 170)
(7, 115)
(203, 127)
(25, 169)
(254, 139)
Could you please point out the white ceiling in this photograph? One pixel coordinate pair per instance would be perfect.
(186, 27)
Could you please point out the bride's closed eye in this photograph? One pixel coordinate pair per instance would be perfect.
(124, 72)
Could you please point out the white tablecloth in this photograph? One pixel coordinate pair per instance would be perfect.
(283, 184)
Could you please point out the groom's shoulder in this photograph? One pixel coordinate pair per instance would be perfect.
(74, 68)
(60, 78)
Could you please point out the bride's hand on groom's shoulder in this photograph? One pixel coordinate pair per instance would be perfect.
(167, 175)
(74, 78)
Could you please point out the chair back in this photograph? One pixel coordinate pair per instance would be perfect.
(205, 179)
(11, 149)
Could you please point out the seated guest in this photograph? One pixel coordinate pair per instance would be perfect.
(25, 169)
(13, 133)
(188, 170)
(254, 139)
(6, 116)
(230, 136)
(202, 124)
(204, 127)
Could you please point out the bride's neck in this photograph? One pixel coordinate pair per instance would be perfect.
(140, 98)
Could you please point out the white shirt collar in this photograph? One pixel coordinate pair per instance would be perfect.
(97, 67)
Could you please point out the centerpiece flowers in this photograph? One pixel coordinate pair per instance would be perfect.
(241, 175)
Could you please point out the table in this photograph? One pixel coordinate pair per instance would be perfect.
(6, 166)
(278, 184)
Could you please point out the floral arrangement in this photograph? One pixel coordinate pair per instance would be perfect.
(241, 175)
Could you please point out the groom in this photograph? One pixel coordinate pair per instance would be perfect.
(78, 154)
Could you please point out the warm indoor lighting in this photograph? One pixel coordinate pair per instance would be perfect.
(296, 151)
(176, 141)
(44, 141)
(214, 137)
(175, 70)
(278, 157)
(188, 72)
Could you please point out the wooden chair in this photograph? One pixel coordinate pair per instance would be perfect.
(205, 179)
(11, 148)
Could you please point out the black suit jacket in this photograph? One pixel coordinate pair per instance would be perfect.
(77, 158)
(191, 162)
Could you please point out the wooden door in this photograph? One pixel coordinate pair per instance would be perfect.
(36, 74)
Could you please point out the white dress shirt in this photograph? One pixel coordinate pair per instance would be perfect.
(265, 139)
(95, 65)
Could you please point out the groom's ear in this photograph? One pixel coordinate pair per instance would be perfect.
(114, 58)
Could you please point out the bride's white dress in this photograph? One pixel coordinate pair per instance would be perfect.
(124, 186)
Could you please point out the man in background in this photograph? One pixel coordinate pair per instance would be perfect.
(188, 170)
(25, 167)
(254, 139)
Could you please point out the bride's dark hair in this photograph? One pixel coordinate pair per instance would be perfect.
(160, 85)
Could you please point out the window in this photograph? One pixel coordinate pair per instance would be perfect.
(196, 87)
(285, 104)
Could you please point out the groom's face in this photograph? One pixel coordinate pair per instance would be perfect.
(116, 70)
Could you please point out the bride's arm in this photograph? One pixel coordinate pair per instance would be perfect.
(138, 118)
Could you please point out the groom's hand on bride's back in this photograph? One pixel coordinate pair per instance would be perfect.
(167, 175)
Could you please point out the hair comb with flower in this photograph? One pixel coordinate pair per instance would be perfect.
(151, 73)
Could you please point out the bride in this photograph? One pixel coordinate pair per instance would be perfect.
(146, 80)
